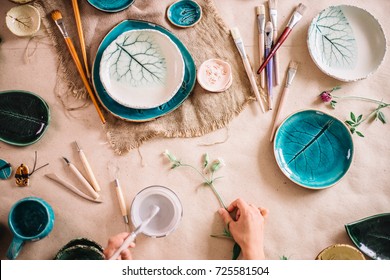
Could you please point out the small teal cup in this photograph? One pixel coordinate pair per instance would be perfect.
(30, 219)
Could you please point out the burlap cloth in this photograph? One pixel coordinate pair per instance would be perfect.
(201, 113)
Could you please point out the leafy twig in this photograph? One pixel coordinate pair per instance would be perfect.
(354, 122)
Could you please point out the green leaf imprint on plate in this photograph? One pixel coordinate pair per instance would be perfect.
(333, 40)
(136, 58)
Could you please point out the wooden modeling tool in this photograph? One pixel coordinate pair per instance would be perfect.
(121, 200)
(88, 169)
(70, 187)
(81, 178)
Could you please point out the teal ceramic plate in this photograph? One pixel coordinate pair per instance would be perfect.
(372, 235)
(184, 13)
(24, 117)
(5, 169)
(346, 42)
(313, 149)
(111, 6)
(140, 115)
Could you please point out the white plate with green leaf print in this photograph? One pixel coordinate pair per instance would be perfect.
(346, 42)
(142, 69)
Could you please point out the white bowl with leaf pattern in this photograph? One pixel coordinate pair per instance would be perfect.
(346, 42)
(142, 69)
(24, 20)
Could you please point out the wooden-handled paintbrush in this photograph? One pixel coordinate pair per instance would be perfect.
(81, 36)
(57, 17)
(292, 70)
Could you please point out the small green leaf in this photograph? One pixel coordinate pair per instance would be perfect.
(205, 160)
(283, 258)
(359, 118)
(353, 118)
(381, 117)
(359, 133)
(350, 123)
(333, 104)
(352, 129)
(236, 251)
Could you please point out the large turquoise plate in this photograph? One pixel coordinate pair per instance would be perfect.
(140, 115)
(24, 117)
(313, 149)
(111, 6)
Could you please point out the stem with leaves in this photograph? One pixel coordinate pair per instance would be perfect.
(207, 168)
(354, 121)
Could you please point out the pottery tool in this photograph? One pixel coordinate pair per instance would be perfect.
(88, 169)
(70, 187)
(57, 17)
(273, 14)
(79, 25)
(292, 70)
(295, 18)
(269, 67)
(260, 11)
(121, 201)
(81, 178)
(240, 46)
(155, 209)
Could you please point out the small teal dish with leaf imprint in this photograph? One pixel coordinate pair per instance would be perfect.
(5, 169)
(111, 6)
(184, 13)
(24, 116)
(313, 149)
(372, 235)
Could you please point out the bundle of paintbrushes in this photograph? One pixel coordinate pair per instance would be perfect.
(269, 44)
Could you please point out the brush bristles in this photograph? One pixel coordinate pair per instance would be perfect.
(235, 33)
(293, 65)
(56, 15)
(272, 4)
(301, 8)
(260, 10)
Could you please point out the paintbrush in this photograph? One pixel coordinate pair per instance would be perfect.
(81, 36)
(57, 17)
(260, 11)
(273, 14)
(155, 209)
(269, 67)
(295, 18)
(240, 46)
(292, 70)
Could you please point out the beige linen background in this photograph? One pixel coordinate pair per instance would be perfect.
(301, 223)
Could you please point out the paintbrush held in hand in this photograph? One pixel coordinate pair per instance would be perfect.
(57, 17)
(295, 18)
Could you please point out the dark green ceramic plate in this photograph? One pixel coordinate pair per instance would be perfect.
(141, 115)
(80, 252)
(372, 235)
(24, 117)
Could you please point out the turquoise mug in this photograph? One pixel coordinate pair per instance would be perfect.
(30, 219)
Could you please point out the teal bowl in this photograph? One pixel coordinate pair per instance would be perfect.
(184, 13)
(313, 149)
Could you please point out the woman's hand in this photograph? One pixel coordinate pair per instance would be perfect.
(114, 243)
(247, 228)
